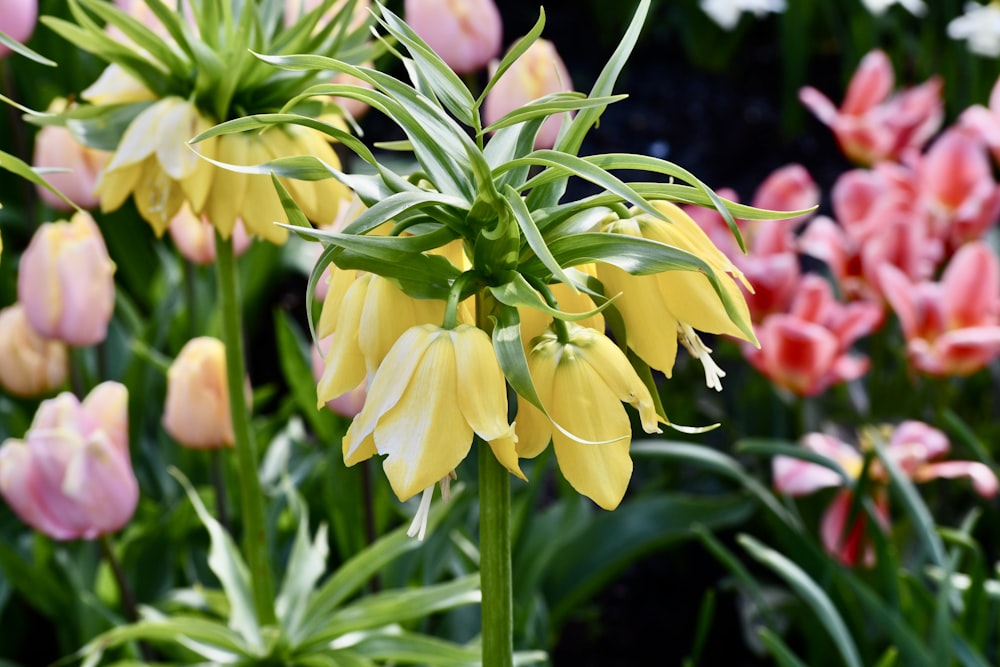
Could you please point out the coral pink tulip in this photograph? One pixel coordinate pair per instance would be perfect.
(808, 349)
(467, 34)
(346, 405)
(66, 282)
(537, 73)
(17, 20)
(913, 446)
(56, 148)
(871, 124)
(952, 327)
(194, 237)
(29, 364)
(71, 477)
(196, 413)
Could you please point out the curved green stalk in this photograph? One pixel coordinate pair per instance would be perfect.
(255, 542)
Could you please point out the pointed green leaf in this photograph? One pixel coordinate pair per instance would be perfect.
(21, 49)
(516, 292)
(549, 105)
(515, 52)
(17, 166)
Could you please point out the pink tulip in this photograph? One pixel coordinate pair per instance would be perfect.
(467, 34)
(537, 73)
(913, 446)
(30, 365)
(56, 148)
(17, 20)
(872, 124)
(807, 350)
(71, 477)
(195, 237)
(66, 282)
(346, 405)
(952, 327)
(196, 412)
(985, 121)
(789, 188)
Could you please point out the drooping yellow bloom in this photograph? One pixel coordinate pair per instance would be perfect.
(660, 308)
(434, 390)
(582, 384)
(366, 314)
(155, 164)
(534, 322)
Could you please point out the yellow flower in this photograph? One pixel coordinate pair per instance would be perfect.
(434, 390)
(534, 322)
(155, 164)
(661, 308)
(582, 384)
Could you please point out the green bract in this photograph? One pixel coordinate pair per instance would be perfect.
(486, 186)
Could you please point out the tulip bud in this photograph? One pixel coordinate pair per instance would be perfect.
(346, 405)
(66, 282)
(17, 20)
(467, 34)
(56, 148)
(537, 73)
(196, 413)
(29, 364)
(194, 237)
(71, 477)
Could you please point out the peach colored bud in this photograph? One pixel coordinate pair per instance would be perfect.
(71, 477)
(195, 237)
(196, 413)
(467, 34)
(537, 73)
(56, 148)
(17, 20)
(29, 364)
(66, 282)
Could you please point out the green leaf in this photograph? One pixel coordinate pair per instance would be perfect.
(306, 565)
(141, 35)
(811, 593)
(717, 462)
(17, 166)
(168, 630)
(227, 564)
(516, 292)
(515, 52)
(295, 366)
(534, 238)
(21, 49)
(549, 105)
(784, 656)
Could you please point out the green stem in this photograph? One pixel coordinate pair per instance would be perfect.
(494, 559)
(251, 496)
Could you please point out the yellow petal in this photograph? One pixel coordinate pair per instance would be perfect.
(340, 282)
(584, 404)
(388, 384)
(228, 187)
(280, 144)
(692, 300)
(157, 196)
(388, 312)
(329, 194)
(114, 187)
(345, 363)
(505, 449)
(198, 184)
(650, 327)
(137, 142)
(534, 430)
(611, 364)
(261, 207)
(177, 125)
(424, 434)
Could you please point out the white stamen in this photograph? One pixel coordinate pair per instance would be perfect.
(690, 340)
(418, 526)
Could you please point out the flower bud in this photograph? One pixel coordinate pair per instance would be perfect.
(346, 405)
(537, 73)
(17, 20)
(466, 33)
(196, 413)
(194, 237)
(66, 282)
(29, 364)
(56, 148)
(71, 477)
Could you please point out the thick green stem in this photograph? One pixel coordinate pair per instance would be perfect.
(494, 560)
(255, 542)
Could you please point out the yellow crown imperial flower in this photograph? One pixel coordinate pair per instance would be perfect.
(665, 307)
(582, 383)
(433, 391)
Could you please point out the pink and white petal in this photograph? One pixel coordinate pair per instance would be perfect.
(918, 442)
(819, 104)
(796, 477)
(984, 480)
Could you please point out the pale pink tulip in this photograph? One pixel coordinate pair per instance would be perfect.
(71, 477)
(913, 446)
(66, 282)
(807, 350)
(346, 405)
(985, 121)
(30, 365)
(194, 237)
(871, 123)
(17, 20)
(55, 148)
(196, 413)
(467, 34)
(952, 327)
(537, 73)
